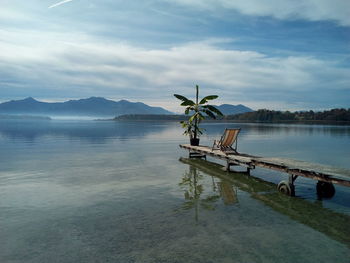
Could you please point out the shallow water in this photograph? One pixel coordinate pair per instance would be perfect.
(100, 191)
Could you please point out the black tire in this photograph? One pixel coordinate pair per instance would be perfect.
(325, 190)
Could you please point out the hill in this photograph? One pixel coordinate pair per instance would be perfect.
(94, 106)
(23, 117)
(228, 109)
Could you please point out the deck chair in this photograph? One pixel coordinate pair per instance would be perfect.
(227, 140)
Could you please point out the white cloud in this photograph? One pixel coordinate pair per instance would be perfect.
(314, 10)
(60, 3)
(78, 64)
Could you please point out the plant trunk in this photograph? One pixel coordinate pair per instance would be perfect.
(196, 119)
(195, 129)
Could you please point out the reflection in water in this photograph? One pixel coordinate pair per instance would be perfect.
(91, 191)
(193, 190)
(333, 224)
(96, 131)
(227, 192)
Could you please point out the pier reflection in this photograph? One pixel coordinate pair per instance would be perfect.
(334, 224)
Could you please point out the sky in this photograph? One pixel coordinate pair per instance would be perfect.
(274, 54)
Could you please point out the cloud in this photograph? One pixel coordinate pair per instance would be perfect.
(313, 10)
(79, 65)
(60, 3)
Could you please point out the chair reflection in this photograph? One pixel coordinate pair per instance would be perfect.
(333, 224)
(227, 193)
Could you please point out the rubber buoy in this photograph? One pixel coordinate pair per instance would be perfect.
(286, 188)
(325, 190)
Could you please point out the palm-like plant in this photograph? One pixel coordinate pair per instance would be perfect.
(198, 110)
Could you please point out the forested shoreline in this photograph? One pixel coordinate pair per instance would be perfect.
(262, 115)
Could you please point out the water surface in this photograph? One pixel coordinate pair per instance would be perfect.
(90, 191)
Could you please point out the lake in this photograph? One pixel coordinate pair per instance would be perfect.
(105, 191)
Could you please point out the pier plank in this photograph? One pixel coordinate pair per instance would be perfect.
(293, 167)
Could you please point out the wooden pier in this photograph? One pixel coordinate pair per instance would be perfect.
(325, 175)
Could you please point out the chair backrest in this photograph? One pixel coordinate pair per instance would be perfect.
(229, 137)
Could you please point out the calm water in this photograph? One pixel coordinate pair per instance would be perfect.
(86, 191)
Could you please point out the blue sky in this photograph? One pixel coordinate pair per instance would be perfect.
(287, 55)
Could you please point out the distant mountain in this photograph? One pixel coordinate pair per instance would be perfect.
(228, 109)
(23, 117)
(94, 106)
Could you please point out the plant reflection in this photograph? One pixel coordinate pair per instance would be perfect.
(193, 188)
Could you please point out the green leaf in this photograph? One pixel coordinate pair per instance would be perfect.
(200, 116)
(210, 97)
(191, 119)
(180, 97)
(210, 114)
(187, 103)
(215, 110)
(203, 101)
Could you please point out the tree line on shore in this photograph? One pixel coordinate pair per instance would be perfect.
(262, 115)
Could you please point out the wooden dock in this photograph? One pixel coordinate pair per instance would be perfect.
(325, 175)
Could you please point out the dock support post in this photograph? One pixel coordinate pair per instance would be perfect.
(228, 166)
(196, 155)
(248, 170)
(292, 178)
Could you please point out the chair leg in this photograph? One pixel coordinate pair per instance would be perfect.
(234, 150)
(215, 143)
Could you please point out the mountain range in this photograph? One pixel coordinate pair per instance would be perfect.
(95, 107)
(228, 109)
